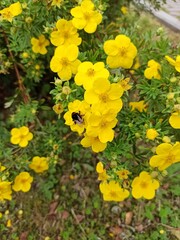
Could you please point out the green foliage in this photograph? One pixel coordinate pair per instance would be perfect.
(64, 201)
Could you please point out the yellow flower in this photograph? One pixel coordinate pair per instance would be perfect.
(140, 106)
(123, 174)
(144, 186)
(65, 34)
(56, 3)
(125, 84)
(85, 17)
(87, 73)
(124, 10)
(175, 63)
(112, 191)
(101, 126)
(9, 223)
(153, 70)
(151, 133)
(105, 94)
(65, 61)
(5, 190)
(39, 164)
(39, 44)
(121, 52)
(22, 182)
(58, 108)
(94, 143)
(101, 172)
(174, 120)
(99, 167)
(10, 12)
(83, 110)
(21, 136)
(167, 154)
(2, 168)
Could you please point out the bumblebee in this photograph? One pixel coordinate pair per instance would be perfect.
(77, 118)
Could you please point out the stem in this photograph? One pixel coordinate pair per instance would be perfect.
(23, 91)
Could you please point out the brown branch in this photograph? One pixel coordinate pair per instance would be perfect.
(23, 91)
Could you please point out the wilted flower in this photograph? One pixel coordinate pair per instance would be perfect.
(123, 174)
(140, 106)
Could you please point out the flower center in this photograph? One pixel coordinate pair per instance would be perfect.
(122, 51)
(87, 16)
(66, 35)
(113, 194)
(90, 72)
(143, 184)
(170, 158)
(104, 97)
(64, 62)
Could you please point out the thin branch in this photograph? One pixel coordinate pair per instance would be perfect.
(23, 91)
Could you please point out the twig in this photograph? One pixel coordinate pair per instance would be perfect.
(25, 95)
(77, 221)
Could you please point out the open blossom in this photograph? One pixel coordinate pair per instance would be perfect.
(65, 34)
(121, 52)
(65, 61)
(174, 120)
(22, 182)
(85, 17)
(94, 143)
(39, 44)
(10, 12)
(144, 186)
(153, 70)
(105, 94)
(88, 72)
(167, 154)
(82, 109)
(39, 164)
(175, 63)
(112, 191)
(5, 190)
(101, 126)
(21, 136)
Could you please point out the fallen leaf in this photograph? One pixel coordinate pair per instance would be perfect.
(128, 218)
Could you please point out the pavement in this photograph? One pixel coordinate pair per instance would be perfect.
(169, 14)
